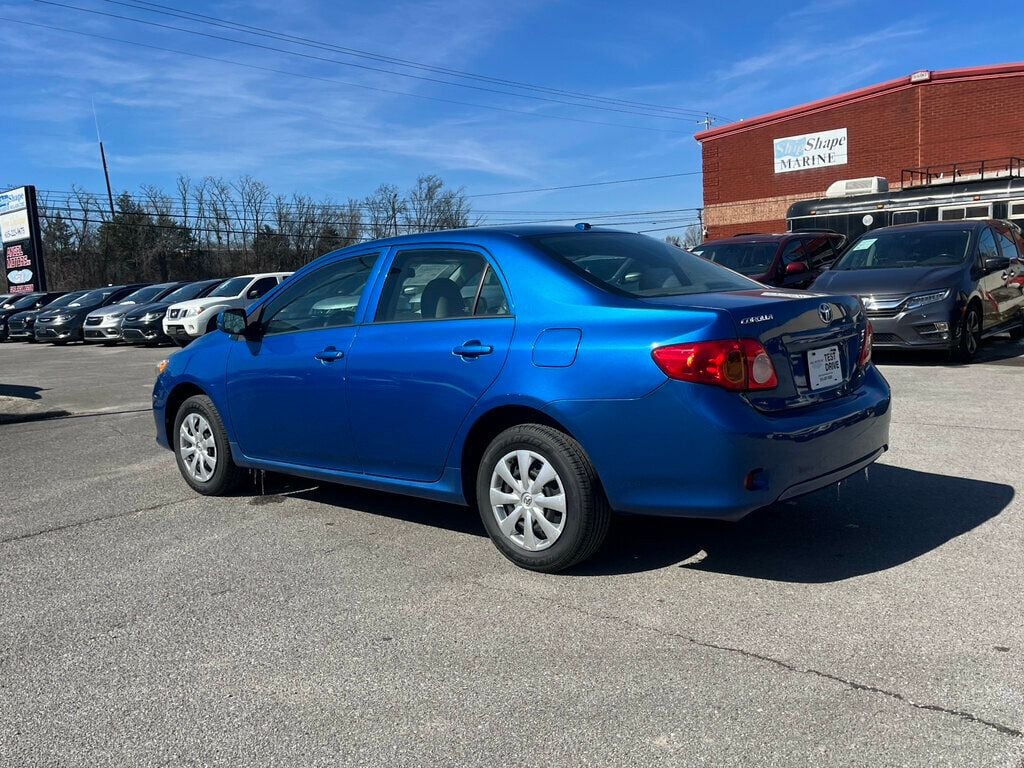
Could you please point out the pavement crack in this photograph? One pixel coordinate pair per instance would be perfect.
(792, 668)
(78, 523)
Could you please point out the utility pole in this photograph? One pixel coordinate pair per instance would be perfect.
(708, 121)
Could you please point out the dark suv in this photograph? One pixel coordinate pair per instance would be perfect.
(937, 285)
(792, 260)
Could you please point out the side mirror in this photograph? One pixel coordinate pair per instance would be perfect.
(997, 264)
(232, 321)
(796, 268)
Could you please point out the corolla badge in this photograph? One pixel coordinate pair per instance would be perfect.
(825, 313)
(756, 319)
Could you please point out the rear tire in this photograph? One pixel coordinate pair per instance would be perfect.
(968, 336)
(201, 448)
(559, 516)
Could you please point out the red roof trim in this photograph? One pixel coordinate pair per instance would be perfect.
(949, 75)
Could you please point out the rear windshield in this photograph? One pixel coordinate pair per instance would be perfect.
(637, 265)
(231, 287)
(896, 248)
(745, 258)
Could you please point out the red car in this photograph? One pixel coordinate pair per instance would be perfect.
(791, 260)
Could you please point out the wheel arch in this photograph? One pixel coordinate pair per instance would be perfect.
(488, 426)
(175, 398)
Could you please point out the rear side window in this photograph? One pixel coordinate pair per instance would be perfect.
(1009, 246)
(260, 287)
(643, 266)
(440, 284)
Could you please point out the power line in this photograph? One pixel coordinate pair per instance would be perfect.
(314, 57)
(590, 184)
(333, 81)
(180, 13)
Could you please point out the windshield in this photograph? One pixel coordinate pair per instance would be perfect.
(64, 300)
(895, 249)
(144, 295)
(231, 287)
(92, 297)
(639, 266)
(186, 292)
(25, 302)
(745, 258)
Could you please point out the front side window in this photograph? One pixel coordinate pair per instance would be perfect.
(326, 298)
(439, 284)
(646, 267)
(260, 287)
(987, 246)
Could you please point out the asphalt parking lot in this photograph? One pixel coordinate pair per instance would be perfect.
(141, 624)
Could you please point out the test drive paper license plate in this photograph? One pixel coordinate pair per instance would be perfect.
(824, 368)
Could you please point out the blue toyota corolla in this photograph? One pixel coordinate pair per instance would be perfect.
(549, 375)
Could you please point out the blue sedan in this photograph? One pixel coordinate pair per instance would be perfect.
(549, 375)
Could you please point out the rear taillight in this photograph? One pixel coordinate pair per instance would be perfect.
(865, 347)
(736, 364)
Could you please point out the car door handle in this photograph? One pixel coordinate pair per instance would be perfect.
(472, 349)
(329, 355)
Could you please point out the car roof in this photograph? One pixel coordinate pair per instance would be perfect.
(924, 225)
(477, 234)
(772, 237)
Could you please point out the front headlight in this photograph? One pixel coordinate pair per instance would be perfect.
(190, 312)
(151, 316)
(62, 318)
(920, 299)
(116, 315)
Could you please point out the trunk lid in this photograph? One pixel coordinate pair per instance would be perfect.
(805, 334)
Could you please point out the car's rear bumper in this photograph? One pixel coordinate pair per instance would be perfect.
(690, 450)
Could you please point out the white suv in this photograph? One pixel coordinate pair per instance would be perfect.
(189, 320)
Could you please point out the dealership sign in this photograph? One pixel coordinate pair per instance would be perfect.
(20, 241)
(812, 150)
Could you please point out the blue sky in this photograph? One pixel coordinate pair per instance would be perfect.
(164, 113)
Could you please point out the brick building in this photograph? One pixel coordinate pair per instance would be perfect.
(755, 169)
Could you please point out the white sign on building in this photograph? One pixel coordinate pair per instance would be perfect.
(812, 150)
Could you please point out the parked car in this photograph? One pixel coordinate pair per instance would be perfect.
(144, 324)
(792, 260)
(22, 303)
(938, 285)
(65, 323)
(188, 320)
(671, 387)
(104, 324)
(21, 325)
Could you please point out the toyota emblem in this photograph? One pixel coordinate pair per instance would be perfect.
(825, 313)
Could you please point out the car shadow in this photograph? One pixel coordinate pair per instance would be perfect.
(868, 524)
(21, 391)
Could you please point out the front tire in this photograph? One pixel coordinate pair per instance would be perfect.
(968, 337)
(201, 448)
(540, 499)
